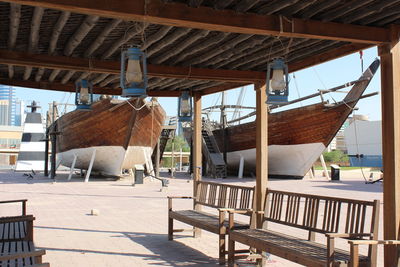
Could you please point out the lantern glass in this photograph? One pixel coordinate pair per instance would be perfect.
(278, 82)
(84, 97)
(134, 72)
(185, 106)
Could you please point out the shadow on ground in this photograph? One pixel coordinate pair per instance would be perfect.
(163, 252)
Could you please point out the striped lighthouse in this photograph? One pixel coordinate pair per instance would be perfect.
(31, 152)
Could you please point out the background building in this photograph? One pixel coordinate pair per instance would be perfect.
(11, 109)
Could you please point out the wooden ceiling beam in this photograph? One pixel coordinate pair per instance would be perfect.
(70, 87)
(113, 67)
(178, 14)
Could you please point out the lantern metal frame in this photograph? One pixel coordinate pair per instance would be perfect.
(277, 96)
(133, 89)
(78, 86)
(185, 117)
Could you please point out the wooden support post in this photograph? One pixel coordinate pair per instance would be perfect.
(53, 154)
(158, 158)
(180, 160)
(323, 163)
(89, 170)
(390, 84)
(261, 148)
(197, 153)
(46, 154)
(71, 171)
(241, 167)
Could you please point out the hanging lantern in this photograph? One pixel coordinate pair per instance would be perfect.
(185, 104)
(83, 95)
(278, 82)
(133, 73)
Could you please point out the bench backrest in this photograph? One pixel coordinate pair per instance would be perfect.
(322, 214)
(218, 195)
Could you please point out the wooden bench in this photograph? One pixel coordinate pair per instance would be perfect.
(333, 217)
(216, 196)
(16, 240)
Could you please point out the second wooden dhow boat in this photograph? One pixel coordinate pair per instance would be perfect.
(296, 137)
(117, 133)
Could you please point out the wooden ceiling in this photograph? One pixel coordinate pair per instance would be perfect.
(205, 46)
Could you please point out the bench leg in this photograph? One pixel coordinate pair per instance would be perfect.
(38, 259)
(222, 250)
(231, 253)
(170, 228)
(196, 232)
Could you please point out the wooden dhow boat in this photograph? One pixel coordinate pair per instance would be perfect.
(296, 137)
(117, 133)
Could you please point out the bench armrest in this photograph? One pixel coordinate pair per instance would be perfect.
(170, 198)
(347, 235)
(23, 203)
(330, 243)
(238, 211)
(374, 242)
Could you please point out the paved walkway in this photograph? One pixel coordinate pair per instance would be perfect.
(131, 227)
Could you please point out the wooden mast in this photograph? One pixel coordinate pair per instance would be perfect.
(390, 88)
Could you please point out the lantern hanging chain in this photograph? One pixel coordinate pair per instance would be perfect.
(90, 68)
(144, 26)
(291, 21)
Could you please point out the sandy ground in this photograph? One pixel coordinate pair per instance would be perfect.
(131, 227)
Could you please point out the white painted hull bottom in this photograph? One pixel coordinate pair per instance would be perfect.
(109, 160)
(283, 160)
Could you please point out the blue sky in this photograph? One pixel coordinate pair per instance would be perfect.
(323, 76)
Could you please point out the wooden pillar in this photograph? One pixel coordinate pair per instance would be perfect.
(197, 153)
(158, 158)
(46, 154)
(390, 88)
(261, 148)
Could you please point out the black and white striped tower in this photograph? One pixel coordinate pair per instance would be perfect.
(31, 152)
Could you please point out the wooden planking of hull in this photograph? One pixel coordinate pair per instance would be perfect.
(296, 137)
(120, 135)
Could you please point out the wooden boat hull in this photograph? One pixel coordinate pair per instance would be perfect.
(296, 137)
(120, 135)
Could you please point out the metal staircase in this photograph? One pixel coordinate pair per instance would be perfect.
(215, 166)
(167, 132)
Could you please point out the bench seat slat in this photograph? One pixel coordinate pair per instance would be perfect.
(203, 220)
(292, 248)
